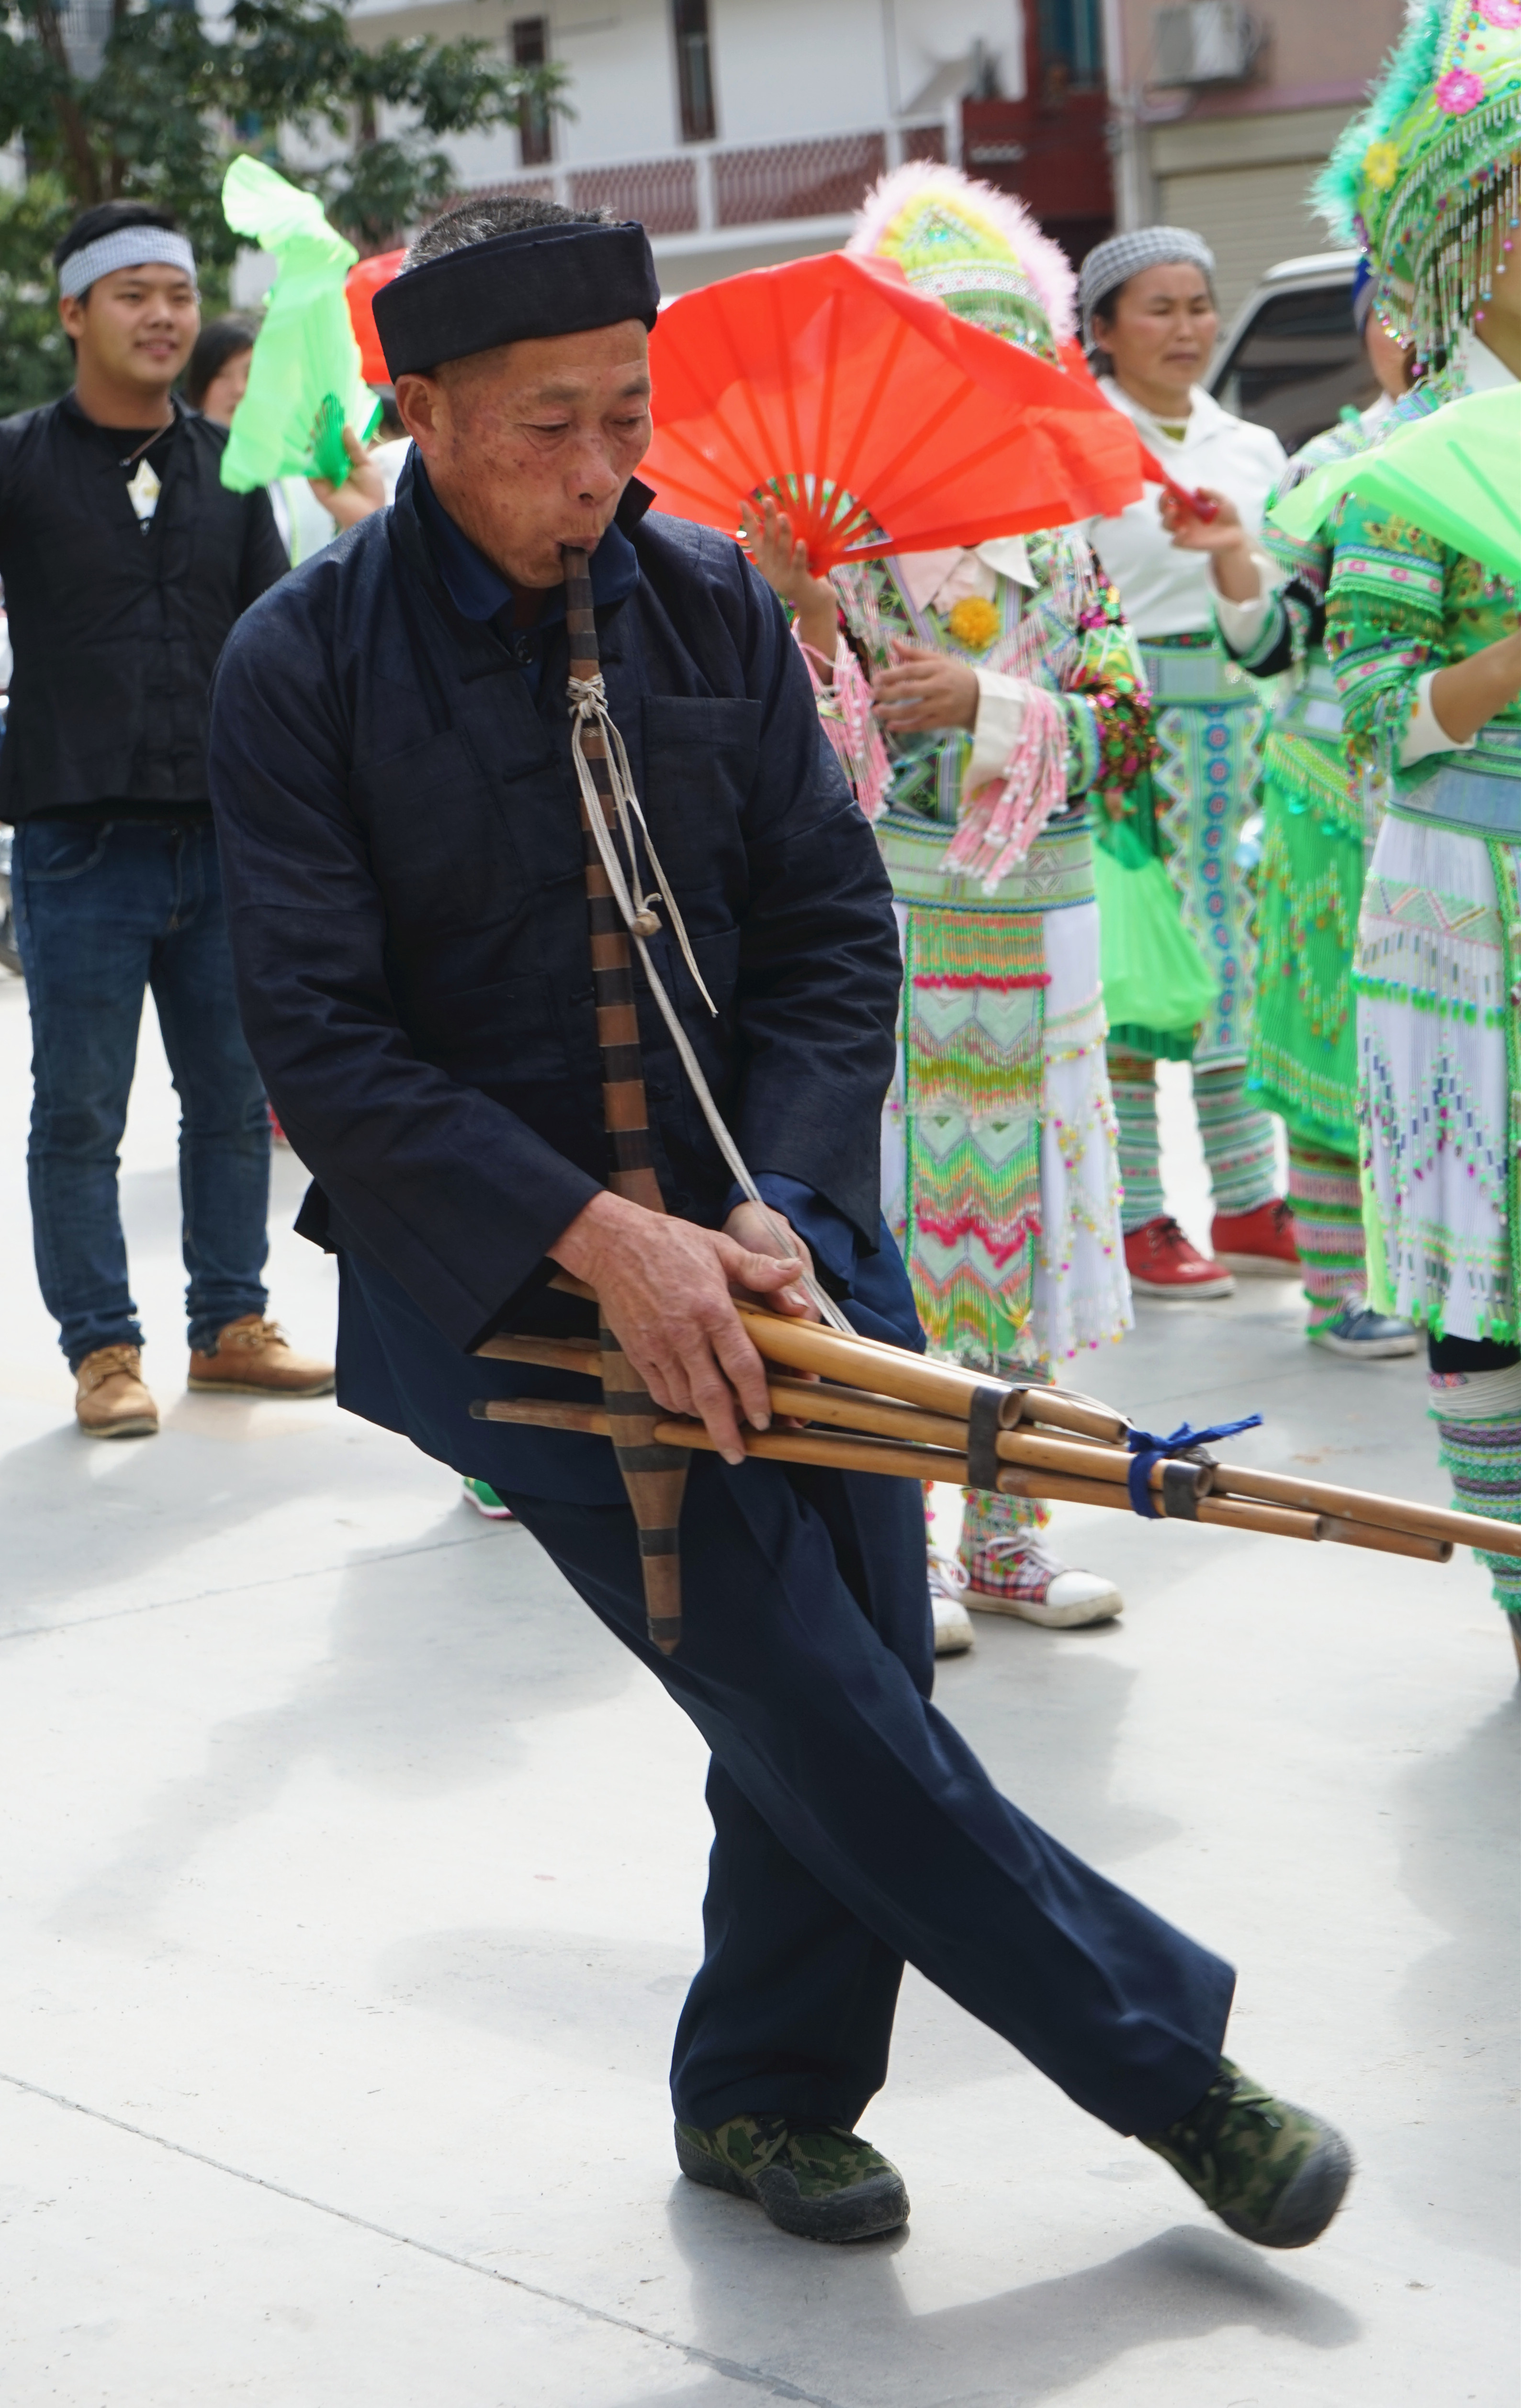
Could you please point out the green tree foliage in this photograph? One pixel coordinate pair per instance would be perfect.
(155, 109)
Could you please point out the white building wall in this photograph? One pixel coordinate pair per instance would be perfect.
(787, 68)
(783, 69)
(622, 77)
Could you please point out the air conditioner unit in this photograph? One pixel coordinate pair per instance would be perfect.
(1212, 42)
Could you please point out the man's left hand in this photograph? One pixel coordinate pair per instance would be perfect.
(746, 1225)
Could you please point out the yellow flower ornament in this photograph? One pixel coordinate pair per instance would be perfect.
(974, 621)
(1381, 164)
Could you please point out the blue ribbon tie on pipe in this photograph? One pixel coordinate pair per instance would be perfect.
(1147, 1448)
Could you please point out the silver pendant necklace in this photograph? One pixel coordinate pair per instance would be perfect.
(144, 489)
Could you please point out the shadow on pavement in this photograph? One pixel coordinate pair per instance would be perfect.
(859, 2345)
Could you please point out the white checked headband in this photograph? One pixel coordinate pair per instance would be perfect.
(128, 247)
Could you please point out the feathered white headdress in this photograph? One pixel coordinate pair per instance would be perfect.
(980, 250)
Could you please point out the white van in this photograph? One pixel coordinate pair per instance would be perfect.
(1294, 360)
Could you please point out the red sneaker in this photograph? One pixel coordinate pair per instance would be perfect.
(1161, 1262)
(1260, 1243)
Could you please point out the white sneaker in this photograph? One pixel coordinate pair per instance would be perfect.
(953, 1634)
(1020, 1575)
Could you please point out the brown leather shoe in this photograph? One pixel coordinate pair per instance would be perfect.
(111, 1400)
(253, 1358)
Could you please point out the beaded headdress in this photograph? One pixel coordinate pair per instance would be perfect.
(978, 251)
(1427, 179)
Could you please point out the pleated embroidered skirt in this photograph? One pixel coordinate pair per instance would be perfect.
(1437, 960)
(1001, 1174)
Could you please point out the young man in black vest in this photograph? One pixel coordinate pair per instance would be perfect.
(126, 564)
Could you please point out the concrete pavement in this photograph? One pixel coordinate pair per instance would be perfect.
(350, 1881)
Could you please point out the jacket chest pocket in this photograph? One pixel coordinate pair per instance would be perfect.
(700, 758)
(441, 841)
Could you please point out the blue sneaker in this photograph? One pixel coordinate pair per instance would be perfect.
(1364, 1336)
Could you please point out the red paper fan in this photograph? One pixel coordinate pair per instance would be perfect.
(883, 420)
(362, 284)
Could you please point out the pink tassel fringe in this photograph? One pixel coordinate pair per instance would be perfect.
(845, 716)
(1001, 821)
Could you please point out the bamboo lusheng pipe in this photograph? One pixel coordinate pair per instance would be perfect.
(654, 1480)
(894, 1371)
(834, 1450)
(1386, 1542)
(1039, 1450)
(849, 1410)
(867, 1416)
(944, 1387)
(888, 1456)
(543, 1412)
(1218, 1513)
(1377, 1513)
(1424, 1533)
(880, 1418)
(846, 1453)
(579, 1355)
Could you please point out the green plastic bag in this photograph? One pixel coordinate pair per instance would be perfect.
(1456, 473)
(304, 380)
(1154, 974)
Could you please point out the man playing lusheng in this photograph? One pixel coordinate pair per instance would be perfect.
(393, 786)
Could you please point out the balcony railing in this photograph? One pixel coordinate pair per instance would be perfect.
(711, 187)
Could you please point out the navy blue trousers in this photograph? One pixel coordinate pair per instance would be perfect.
(853, 1828)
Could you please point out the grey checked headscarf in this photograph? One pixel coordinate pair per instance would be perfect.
(1113, 262)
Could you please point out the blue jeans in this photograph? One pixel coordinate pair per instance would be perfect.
(101, 913)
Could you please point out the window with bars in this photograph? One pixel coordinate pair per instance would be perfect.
(530, 49)
(1072, 41)
(694, 70)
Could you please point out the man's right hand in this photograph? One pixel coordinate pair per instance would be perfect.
(665, 1290)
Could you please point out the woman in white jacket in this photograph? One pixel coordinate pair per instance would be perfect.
(1149, 311)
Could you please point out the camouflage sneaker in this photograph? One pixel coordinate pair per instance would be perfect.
(818, 2181)
(1272, 2172)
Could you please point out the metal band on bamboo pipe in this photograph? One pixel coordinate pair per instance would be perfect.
(655, 1477)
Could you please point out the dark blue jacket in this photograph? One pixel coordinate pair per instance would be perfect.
(399, 826)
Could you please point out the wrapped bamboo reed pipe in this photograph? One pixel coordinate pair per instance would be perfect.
(1381, 1513)
(987, 1432)
(543, 1412)
(655, 1479)
(578, 1355)
(849, 1454)
(857, 1452)
(834, 1448)
(1385, 1541)
(892, 1371)
(865, 1416)
(1219, 1513)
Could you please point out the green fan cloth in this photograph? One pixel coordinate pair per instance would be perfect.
(1154, 976)
(1456, 473)
(304, 380)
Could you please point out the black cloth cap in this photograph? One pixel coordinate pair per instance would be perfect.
(550, 280)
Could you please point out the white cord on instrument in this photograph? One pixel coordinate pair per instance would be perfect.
(589, 707)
